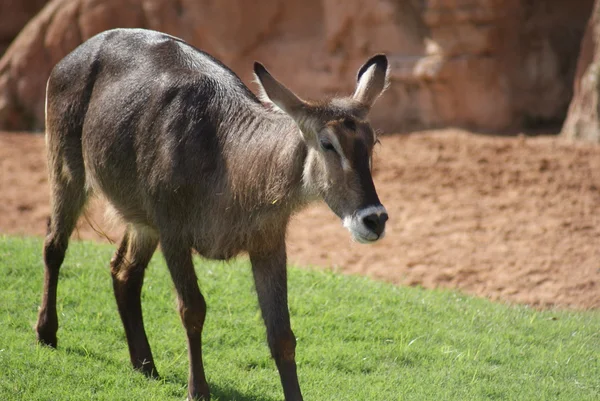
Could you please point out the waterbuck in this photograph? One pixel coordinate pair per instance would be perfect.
(188, 157)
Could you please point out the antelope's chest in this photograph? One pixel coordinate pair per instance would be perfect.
(219, 246)
(224, 236)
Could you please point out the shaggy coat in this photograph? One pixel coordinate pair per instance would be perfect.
(188, 156)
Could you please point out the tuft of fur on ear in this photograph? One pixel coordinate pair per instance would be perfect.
(262, 94)
(372, 80)
(380, 60)
(283, 100)
(275, 93)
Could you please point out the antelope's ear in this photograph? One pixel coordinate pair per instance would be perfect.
(372, 80)
(273, 91)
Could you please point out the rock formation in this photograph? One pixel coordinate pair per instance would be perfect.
(14, 14)
(483, 64)
(583, 118)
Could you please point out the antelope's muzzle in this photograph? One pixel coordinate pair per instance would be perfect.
(367, 225)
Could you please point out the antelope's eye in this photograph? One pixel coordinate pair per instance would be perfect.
(325, 144)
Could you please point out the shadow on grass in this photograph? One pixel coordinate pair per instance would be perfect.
(230, 394)
(222, 393)
(92, 354)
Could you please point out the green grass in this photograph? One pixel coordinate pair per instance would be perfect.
(357, 339)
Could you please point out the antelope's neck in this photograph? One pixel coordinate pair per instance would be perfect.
(265, 161)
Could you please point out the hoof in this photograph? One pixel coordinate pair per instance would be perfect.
(48, 340)
(149, 370)
(199, 394)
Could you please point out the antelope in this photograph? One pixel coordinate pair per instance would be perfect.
(188, 157)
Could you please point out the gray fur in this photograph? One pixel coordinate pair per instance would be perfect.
(189, 157)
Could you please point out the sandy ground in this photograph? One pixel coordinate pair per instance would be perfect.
(512, 219)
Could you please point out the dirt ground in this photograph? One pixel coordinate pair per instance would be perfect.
(514, 219)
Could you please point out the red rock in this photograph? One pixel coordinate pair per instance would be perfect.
(583, 118)
(14, 14)
(484, 64)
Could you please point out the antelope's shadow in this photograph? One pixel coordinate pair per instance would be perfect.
(222, 393)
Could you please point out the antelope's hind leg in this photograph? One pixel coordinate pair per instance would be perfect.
(127, 270)
(68, 200)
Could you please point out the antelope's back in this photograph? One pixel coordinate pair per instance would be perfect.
(149, 110)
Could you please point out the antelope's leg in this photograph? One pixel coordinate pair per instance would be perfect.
(68, 202)
(270, 277)
(127, 271)
(55, 247)
(192, 309)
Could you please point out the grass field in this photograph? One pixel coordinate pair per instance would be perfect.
(357, 339)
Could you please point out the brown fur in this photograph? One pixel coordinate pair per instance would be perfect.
(187, 156)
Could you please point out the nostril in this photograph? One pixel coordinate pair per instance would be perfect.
(371, 221)
(375, 222)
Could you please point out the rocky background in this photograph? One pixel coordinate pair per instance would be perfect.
(491, 65)
(583, 119)
(14, 14)
(513, 218)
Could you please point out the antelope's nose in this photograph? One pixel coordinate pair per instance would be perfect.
(375, 222)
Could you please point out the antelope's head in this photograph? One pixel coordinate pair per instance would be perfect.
(340, 142)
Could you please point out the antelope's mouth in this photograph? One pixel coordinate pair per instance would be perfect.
(367, 225)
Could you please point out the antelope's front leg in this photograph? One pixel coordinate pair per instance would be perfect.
(270, 277)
